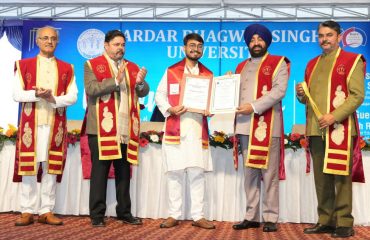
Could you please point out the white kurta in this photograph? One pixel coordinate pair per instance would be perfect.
(189, 153)
(47, 78)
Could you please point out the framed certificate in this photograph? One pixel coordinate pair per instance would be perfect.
(195, 93)
(225, 94)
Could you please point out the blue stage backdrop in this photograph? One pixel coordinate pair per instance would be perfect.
(157, 45)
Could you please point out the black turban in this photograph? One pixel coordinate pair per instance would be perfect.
(259, 29)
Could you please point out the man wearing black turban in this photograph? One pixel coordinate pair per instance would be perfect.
(259, 126)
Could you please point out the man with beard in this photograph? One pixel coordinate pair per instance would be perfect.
(185, 144)
(112, 85)
(263, 83)
(332, 153)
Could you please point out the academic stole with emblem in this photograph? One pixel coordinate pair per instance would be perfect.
(26, 142)
(107, 110)
(338, 135)
(261, 124)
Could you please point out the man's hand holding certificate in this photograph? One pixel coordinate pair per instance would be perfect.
(195, 93)
(206, 95)
(225, 94)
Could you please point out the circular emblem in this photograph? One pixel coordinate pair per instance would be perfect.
(341, 70)
(101, 68)
(354, 37)
(90, 43)
(267, 70)
(64, 77)
(28, 77)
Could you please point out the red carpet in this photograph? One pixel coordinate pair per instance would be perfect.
(78, 227)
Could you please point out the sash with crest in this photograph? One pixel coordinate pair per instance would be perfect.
(26, 162)
(172, 131)
(107, 110)
(261, 124)
(338, 135)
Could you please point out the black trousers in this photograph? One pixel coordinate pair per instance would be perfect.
(99, 180)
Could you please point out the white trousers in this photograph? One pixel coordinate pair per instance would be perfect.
(175, 181)
(30, 193)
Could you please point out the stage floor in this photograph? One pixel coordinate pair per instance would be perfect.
(78, 227)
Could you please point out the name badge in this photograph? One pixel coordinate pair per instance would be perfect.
(174, 89)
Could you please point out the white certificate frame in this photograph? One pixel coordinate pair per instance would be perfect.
(183, 89)
(231, 93)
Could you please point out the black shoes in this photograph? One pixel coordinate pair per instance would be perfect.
(269, 227)
(343, 232)
(97, 222)
(246, 224)
(319, 228)
(131, 220)
(339, 232)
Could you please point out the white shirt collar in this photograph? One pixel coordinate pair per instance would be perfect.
(193, 69)
(45, 59)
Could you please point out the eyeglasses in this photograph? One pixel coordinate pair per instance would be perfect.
(46, 39)
(194, 46)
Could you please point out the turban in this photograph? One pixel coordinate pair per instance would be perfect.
(259, 29)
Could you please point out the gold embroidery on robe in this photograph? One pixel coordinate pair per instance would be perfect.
(337, 135)
(107, 122)
(261, 130)
(59, 135)
(27, 135)
(339, 98)
(135, 124)
(264, 90)
(28, 109)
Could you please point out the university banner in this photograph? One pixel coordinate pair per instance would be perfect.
(157, 45)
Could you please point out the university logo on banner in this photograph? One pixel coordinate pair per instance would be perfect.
(90, 43)
(354, 37)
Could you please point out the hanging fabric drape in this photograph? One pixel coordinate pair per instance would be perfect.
(13, 30)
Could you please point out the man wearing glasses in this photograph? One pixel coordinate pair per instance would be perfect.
(185, 145)
(44, 86)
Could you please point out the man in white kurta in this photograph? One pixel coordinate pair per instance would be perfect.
(187, 157)
(46, 102)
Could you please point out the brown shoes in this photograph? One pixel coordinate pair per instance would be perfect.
(25, 219)
(169, 222)
(49, 218)
(203, 223)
